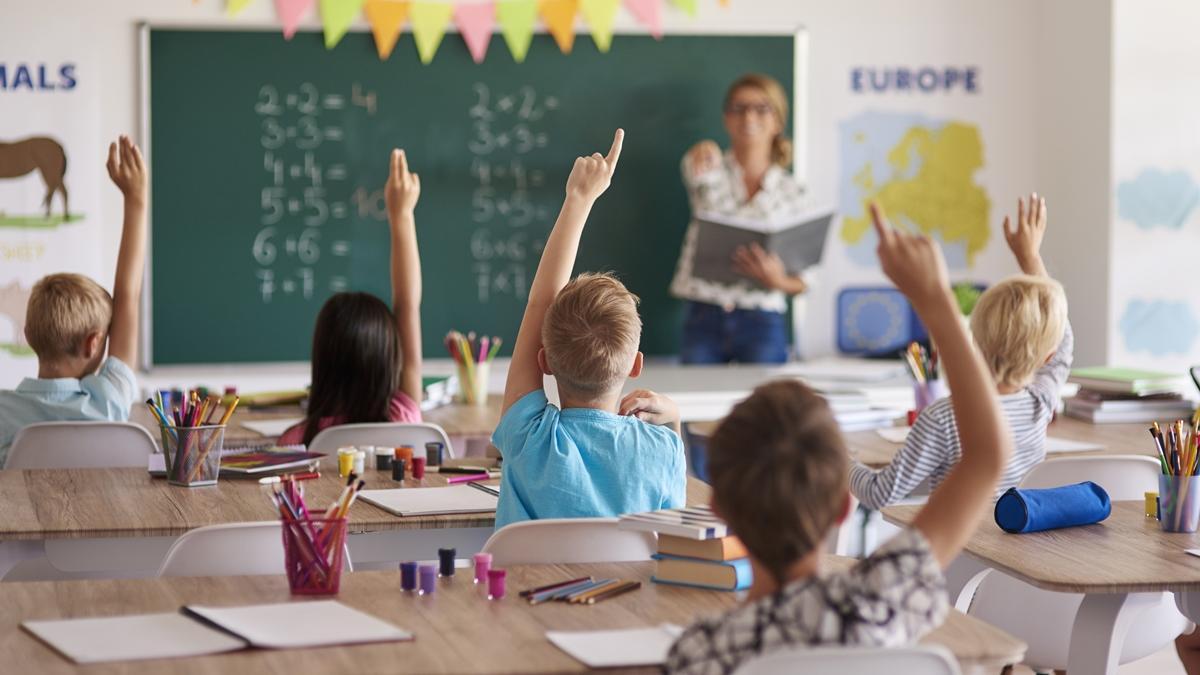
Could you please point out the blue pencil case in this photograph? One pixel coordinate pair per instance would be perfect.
(1021, 511)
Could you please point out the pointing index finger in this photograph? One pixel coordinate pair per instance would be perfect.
(614, 152)
(403, 162)
(882, 228)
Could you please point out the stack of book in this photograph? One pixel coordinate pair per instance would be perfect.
(1115, 395)
(694, 549)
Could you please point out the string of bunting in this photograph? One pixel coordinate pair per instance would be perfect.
(428, 20)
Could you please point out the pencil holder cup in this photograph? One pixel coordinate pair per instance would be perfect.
(312, 551)
(927, 392)
(473, 384)
(193, 454)
(1179, 497)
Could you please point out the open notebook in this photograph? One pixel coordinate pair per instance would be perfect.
(625, 648)
(433, 501)
(198, 630)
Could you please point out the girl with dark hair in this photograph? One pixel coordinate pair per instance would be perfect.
(366, 359)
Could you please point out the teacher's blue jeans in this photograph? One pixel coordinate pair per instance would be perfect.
(713, 335)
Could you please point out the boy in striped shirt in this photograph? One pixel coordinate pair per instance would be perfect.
(1020, 327)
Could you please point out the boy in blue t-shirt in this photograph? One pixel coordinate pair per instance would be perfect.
(600, 455)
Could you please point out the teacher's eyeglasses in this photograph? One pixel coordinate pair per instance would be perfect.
(739, 109)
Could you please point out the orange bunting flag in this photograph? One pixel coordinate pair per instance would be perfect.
(516, 19)
(235, 7)
(600, 15)
(336, 16)
(290, 13)
(429, 21)
(559, 16)
(475, 24)
(648, 12)
(688, 6)
(386, 18)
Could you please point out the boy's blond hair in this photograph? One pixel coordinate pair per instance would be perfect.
(1017, 324)
(780, 473)
(591, 334)
(63, 309)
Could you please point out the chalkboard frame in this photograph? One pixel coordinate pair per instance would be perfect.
(799, 135)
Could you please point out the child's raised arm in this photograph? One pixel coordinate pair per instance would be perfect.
(589, 179)
(127, 170)
(1025, 240)
(916, 266)
(402, 191)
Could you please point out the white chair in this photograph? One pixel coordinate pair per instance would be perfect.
(1044, 619)
(387, 434)
(853, 661)
(228, 550)
(569, 540)
(80, 445)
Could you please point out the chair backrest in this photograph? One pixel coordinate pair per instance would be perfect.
(225, 550)
(1123, 477)
(569, 540)
(854, 661)
(80, 445)
(388, 434)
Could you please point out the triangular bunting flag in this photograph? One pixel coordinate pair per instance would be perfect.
(290, 13)
(475, 23)
(386, 18)
(429, 21)
(516, 19)
(648, 12)
(236, 6)
(336, 16)
(559, 16)
(688, 6)
(600, 15)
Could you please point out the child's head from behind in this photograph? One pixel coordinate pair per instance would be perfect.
(591, 335)
(780, 473)
(1017, 325)
(67, 320)
(355, 360)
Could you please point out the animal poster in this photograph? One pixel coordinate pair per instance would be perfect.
(51, 182)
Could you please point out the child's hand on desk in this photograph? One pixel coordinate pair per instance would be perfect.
(1025, 240)
(127, 169)
(650, 407)
(403, 188)
(913, 262)
(591, 175)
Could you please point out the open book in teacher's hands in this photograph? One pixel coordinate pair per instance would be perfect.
(798, 241)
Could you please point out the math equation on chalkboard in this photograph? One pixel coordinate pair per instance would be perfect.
(304, 196)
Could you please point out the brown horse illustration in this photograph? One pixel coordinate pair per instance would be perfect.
(41, 153)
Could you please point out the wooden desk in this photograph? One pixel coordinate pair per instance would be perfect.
(456, 629)
(1127, 553)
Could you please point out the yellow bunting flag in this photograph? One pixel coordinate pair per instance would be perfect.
(688, 6)
(516, 18)
(386, 18)
(429, 21)
(234, 7)
(600, 15)
(559, 16)
(337, 15)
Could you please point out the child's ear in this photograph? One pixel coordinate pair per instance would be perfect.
(93, 344)
(636, 370)
(544, 365)
(1048, 357)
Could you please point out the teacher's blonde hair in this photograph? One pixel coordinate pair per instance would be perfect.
(781, 145)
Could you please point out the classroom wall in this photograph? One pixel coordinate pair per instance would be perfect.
(997, 39)
(1154, 320)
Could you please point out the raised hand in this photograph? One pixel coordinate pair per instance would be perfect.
(591, 175)
(703, 157)
(403, 187)
(127, 169)
(913, 262)
(1025, 239)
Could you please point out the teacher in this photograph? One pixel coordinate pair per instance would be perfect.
(744, 321)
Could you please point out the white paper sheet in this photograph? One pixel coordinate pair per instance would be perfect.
(272, 427)
(431, 501)
(289, 625)
(1054, 445)
(617, 648)
(131, 638)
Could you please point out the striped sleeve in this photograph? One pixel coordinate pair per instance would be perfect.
(932, 444)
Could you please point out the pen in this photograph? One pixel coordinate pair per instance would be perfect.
(464, 468)
(271, 480)
(614, 592)
(599, 588)
(554, 593)
(551, 587)
(468, 478)
(490, 489)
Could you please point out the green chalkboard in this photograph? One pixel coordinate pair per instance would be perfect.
(269, 157)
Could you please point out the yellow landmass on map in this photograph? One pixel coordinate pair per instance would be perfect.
(939, 197)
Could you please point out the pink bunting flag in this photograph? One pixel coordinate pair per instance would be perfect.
(648, 12)
(475, 22)
(291, 12)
